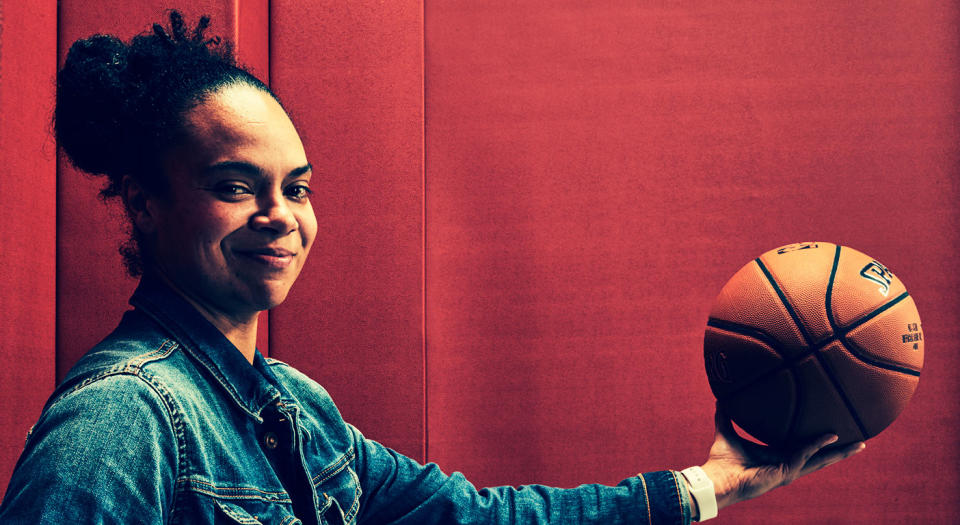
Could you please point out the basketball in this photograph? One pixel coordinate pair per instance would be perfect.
(813, 338)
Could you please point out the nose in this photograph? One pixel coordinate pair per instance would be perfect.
(274, 216)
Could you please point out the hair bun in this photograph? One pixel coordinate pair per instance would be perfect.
(121, 106)
(92, 97)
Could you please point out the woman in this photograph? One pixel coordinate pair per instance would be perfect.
(176, 417)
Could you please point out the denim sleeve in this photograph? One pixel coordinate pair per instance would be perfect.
(398, 490)
(102, 453)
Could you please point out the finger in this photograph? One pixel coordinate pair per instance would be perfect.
(829, 457)
(801, 458)
(752, 453)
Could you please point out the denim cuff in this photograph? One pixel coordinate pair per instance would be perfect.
(668, 501)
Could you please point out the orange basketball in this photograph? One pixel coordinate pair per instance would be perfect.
(813, 338)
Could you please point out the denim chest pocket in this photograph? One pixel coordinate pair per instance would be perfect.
(252, 513)
(338, 491)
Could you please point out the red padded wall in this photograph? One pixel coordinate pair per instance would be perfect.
(28, 61)
(92, 286)
(350, 73)
(597, 171)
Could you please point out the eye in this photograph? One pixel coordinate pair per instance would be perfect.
(231, 190)
(298, 192)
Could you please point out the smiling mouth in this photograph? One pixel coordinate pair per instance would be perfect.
(270, 258)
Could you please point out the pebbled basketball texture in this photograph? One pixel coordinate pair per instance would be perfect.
(813, 338)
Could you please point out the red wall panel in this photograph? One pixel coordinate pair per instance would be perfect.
(350, 73)
(92, 286)
(28, 61)
(595, 173)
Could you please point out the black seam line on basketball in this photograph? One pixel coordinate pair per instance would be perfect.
(841, 334)
(795, 416)
(748, 331)
(829, 300)
(786, 303)
(786, 364)
(871, 315)
(843, 395)
(856, 351)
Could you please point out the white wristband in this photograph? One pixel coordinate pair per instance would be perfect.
(701, 490)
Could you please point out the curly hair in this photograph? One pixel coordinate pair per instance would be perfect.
(120, 106)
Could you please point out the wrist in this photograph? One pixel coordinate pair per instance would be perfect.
(723, 486)
(703, 501)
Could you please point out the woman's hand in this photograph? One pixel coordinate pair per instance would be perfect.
(741, 470)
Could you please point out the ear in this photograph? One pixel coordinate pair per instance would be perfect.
(139, 205)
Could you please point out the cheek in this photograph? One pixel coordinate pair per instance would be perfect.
(308, 227)
(207, 228)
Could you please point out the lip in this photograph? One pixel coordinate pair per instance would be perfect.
(271, 257)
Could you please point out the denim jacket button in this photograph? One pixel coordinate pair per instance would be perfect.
(270, 440)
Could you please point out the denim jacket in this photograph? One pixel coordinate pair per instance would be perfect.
(165, 422)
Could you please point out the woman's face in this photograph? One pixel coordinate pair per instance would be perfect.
(236, 225)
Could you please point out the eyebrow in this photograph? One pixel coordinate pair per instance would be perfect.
(251, 169)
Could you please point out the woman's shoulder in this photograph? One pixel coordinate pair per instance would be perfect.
(132, 344)
(137, 367)
(117, 374)
(128, 358)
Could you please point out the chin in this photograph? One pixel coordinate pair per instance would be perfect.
(269, 297)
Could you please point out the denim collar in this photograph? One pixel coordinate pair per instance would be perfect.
(251, 387)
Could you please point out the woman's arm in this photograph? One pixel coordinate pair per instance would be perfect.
(103, 453)
(398, 490)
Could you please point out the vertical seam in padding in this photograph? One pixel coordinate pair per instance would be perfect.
(423, 224)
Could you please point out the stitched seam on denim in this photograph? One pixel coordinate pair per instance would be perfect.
(327, 503)
(646, 498)
(336, 467)
(676, 484)
(293, 408)
(225, 492)
(179, 431)
(116, 370)
(251, 520)
(288, 520)
(238, 496)
(138, 361)
(90, 380)
(355, 506)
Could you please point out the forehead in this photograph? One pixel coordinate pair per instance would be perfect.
(241, 120)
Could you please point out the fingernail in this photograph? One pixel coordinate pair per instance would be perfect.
(833, 439)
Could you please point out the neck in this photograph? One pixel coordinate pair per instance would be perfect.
(243, 334)
(241, 330)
